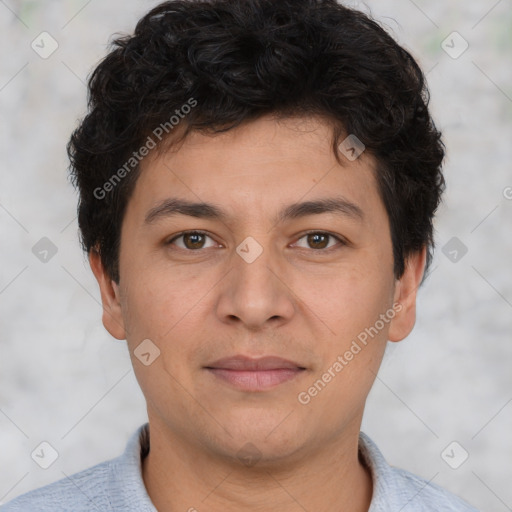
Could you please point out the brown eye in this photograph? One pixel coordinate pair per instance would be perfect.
(191, 240)
(318, 240)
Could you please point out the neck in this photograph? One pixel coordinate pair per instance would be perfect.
(181, 476)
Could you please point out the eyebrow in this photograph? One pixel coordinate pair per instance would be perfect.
(174, 206)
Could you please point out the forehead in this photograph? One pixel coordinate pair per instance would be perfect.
(249, 169)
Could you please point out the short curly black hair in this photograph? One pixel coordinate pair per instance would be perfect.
(234, 61)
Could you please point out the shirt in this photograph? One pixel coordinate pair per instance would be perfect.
(117, 485)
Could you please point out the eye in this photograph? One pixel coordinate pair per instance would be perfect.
(318, 240)
(195, 240)
(192, 240)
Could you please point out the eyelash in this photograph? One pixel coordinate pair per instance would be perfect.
(198, 232)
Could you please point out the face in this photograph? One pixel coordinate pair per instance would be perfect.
(269, 307)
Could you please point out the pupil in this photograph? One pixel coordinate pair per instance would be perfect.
(196, 236)
(314, 239)
(316, 236)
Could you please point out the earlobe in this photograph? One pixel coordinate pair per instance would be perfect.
(405, 294)
(110, 297)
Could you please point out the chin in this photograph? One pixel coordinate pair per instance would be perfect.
(262, 444)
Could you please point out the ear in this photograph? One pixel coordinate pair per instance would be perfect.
(112, 313)
(405, 294)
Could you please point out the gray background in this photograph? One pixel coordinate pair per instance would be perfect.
(64, 380)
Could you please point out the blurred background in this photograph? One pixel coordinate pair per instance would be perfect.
(441, 406)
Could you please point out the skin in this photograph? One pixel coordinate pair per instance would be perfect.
(303, 299)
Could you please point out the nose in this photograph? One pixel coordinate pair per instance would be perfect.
(255, 292)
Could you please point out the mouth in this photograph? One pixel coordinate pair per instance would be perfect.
(255, 374)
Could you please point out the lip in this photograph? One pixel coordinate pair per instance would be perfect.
(245, 363)
(255, 374)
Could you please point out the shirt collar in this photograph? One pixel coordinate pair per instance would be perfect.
(126, 485)
(385, 478)
(128, 492)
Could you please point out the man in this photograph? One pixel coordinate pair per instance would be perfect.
(257, 186)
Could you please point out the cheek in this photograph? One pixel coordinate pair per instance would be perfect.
(351, 356)
(156, 296)
(163, 305)
(349, 301)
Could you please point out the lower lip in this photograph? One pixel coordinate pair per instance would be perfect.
(256, 380)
